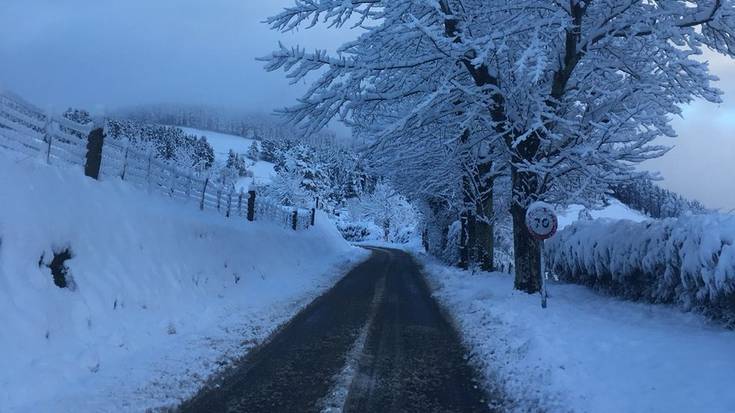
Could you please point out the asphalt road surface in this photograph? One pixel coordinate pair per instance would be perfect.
(379, 317)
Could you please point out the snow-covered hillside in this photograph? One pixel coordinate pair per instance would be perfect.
(586, 352)
(222, 144)
(614, 210)
(159, 294)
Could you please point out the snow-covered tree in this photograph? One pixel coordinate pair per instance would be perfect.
(254, 151)
(573, 92)
(649, 198)
(237, 163)
(286, 187)
(388, 210)
(164, 142)
(269, 150)
(79, 116)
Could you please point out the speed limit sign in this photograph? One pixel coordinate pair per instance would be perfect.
(541, 220)
(542, 223)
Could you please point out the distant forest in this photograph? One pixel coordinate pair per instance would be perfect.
(656, 202)
(223, 120)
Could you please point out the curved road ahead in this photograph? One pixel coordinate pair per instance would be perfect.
(381, 320)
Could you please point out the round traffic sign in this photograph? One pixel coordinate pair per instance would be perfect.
(541, 220)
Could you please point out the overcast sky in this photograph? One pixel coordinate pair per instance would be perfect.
(101, 54)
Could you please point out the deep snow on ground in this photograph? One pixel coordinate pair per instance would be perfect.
(164, 294)
(222, 143)
(614, 210)
(263, 172)
(586, 352)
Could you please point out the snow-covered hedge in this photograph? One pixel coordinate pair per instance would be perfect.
(688, 261)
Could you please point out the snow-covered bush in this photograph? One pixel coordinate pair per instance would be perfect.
(688, 261)
(286, 188)
(360, 231)
(388, 211)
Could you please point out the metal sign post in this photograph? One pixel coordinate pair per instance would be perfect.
(542, 223)
(544, 292)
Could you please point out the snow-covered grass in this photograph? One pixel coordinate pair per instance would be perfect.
(688, 260)
(586, 352)
(614, 210)
(263, 172)
(163, 294)
(222, 143)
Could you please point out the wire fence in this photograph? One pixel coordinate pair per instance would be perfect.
(28, 130)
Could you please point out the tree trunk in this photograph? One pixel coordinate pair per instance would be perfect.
(472, 236)
(464, 250)
(527, 250)
(485, 245)
(485, 242)
(484, 226)
(466, 218)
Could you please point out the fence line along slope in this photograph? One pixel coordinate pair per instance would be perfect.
(29, 130)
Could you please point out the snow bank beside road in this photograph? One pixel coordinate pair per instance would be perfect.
(162, 294)
(587, 353)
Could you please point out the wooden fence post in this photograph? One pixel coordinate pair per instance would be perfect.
(229, 203)
(294, 219)
(204, 193)
(172, 184)
(251, 205)
(125, 164)
(48, 137)
(313, 216)
(93, 164)
(239, 203)
(148, 172)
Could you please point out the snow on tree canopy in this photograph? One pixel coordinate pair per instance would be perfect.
(575, 91)
(563, 97)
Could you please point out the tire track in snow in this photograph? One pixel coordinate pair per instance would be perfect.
(335, 400)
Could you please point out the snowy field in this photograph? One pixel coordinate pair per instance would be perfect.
(162, 295)
(587, 352)
(222, 143)
(615, 210)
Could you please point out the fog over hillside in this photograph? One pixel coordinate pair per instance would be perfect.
(196, 52)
